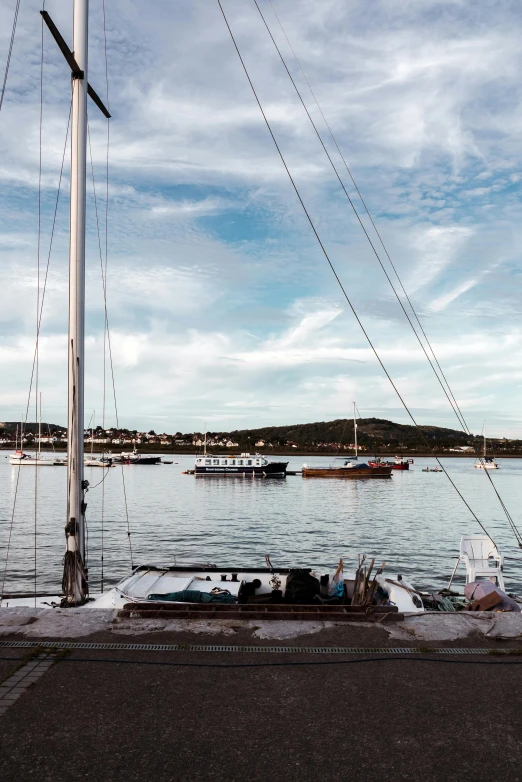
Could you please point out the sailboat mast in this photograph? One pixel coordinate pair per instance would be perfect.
(40, 429)
(75, 576)
(355, 430)
(484, 439)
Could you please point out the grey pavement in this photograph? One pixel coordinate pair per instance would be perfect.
(390, 719)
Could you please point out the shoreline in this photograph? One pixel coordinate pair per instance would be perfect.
(268, 453)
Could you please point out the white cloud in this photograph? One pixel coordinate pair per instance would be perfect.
(219, 297)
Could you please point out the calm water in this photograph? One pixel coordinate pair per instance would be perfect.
(413, 521)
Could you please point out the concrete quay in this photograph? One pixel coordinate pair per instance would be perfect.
(301, 709)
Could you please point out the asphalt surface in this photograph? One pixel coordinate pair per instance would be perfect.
(115, 716)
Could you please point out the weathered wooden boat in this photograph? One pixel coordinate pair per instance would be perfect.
(350, 469)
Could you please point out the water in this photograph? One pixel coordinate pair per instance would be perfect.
(413, 521)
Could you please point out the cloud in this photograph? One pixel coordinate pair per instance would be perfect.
(220, 301)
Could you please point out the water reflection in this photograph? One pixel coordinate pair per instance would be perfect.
(413, 521)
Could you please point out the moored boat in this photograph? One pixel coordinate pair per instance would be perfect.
(246, 465)
(350, 469)
(486, 462)
(20, 457)
(133, 457)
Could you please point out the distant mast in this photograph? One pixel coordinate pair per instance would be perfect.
(355, 430)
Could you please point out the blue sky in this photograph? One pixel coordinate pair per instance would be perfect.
(222, 307)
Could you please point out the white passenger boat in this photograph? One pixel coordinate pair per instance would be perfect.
(245, 465)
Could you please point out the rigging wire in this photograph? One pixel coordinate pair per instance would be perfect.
(457, 410)
(334, 272)
(448, 393)
(37, 343)
(102, 582)
(104, 285)
(44, 289)
(9, 53)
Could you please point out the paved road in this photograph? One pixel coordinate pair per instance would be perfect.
(387, 720)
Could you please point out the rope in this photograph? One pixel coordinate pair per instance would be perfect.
(9, 53)
(282, 664)
(334, 272)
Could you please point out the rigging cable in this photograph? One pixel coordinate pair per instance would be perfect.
(369, 216)
(449, 393)
(37, 344)
(462, 423)
(9, 53)
(105, 277)
(44, 288)
(452, 400)
(106, 317)
(334, 272)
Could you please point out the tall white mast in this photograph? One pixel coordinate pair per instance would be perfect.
(484, 439)
(355, 430)
(74, 583)
(75, 575)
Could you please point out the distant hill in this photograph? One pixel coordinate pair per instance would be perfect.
(376, 434)
(7, 427)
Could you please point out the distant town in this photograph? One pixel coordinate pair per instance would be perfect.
(373, 436)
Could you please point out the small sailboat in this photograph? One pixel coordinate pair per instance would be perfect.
(486, 462)
(21, 458)
(92, 461)
(350, 468)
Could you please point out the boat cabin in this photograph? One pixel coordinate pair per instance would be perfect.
(245, 460)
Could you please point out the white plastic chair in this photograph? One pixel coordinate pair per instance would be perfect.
(482, 559)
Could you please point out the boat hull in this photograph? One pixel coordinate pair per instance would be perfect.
(270, 470)
(350, 473)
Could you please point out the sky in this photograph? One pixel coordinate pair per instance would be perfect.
(222, 307)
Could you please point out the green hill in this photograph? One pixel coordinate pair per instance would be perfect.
(375, 434)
